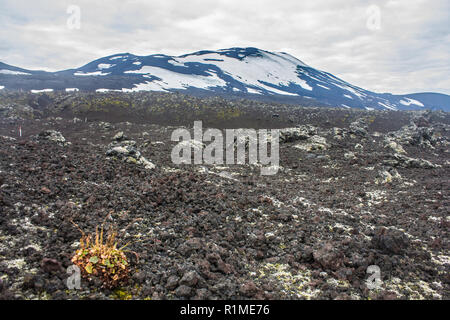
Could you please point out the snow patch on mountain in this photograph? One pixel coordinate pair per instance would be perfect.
(409, 101)
(253, 70)
(102, 66)
(5, 71)
(117, 57)
(292, 59)
(176, 63)
(304, 84)
(273, 90)
(346, 87)
(103, 90)
(387, 106)
(95, 73)
(175, 80)
(146, 86)
(253, 91)
(319, 85)
(41, 91)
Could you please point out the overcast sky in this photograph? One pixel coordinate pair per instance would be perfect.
(397, 46)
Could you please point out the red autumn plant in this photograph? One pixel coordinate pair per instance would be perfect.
(102, 258)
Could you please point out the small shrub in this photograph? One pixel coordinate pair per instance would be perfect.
(101, 258)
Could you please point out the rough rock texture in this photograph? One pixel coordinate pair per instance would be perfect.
(390, 241)
(126, 149)
(308, 232)
(329, 257)
(302, 132)
(54, 136)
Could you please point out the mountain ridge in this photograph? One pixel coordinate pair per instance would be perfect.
(246, 72)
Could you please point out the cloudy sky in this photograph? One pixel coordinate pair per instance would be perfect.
(397, 46)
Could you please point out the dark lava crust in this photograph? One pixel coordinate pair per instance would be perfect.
(360, 189)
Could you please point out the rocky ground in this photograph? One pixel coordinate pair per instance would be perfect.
(354, 189)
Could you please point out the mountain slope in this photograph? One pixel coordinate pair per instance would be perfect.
(244, 72)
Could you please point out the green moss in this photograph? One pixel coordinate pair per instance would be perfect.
(120, 294)
(132, 160)
(228, 113)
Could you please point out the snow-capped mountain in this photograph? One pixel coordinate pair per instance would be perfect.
(241, 72)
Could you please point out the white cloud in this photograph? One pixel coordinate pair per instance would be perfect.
(410, 52)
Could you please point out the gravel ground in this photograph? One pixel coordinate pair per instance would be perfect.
(353, 190)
